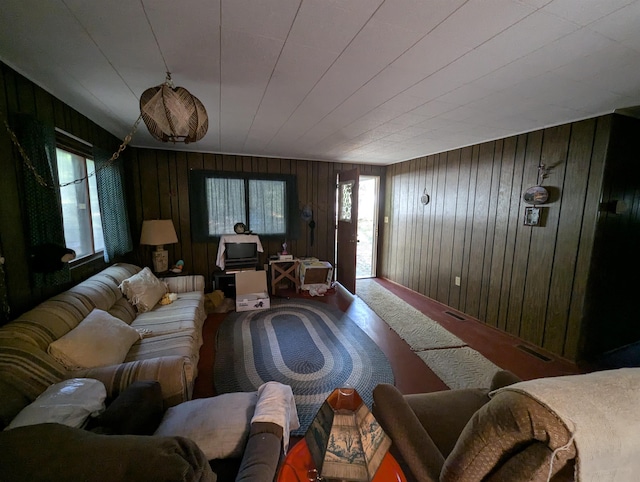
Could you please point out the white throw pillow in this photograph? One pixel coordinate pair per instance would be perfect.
(99, 340)
(69, 402)
(143, 290)
(218, 425)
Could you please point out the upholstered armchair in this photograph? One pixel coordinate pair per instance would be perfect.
(464, 435)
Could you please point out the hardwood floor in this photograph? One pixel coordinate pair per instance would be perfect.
(411, 374)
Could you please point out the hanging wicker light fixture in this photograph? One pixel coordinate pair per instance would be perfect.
(173, 114)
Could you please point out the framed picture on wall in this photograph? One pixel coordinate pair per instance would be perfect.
(531, 216)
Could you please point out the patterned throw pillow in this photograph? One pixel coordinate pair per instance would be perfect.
(99, 340)
(143, 290)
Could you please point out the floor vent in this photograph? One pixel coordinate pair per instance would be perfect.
(528, 350)
(457, 317)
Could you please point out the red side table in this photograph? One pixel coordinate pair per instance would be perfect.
(298, 461)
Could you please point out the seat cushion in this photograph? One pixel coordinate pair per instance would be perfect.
(219, 425)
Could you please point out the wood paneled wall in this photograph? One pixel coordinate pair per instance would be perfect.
(527, 280)
(19, 95)
(159, 184)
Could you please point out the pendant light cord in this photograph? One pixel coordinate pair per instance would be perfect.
(155, 37)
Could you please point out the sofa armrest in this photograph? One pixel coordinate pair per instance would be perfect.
(503, 378)
(52, 451)
(168, 370)
(413, 442)
(185, 284)
(510, 438)
(262, 453)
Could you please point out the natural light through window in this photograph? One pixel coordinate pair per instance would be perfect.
(80, 206)
(228, 199)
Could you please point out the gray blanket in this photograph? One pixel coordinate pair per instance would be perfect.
(53, 452)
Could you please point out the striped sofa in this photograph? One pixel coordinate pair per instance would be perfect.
(168, 353)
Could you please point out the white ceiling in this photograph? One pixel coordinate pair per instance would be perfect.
(366, 81)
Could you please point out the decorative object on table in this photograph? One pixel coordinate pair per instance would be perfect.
(241, 228)
(531, 216)
(178, 267)
(173, 114)
(345, 440)
(158, 232)
(424, 199)
(284, 254)
(313, 341)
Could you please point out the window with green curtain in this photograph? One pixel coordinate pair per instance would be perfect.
(113, 206)
(266, 203)
(43, 210)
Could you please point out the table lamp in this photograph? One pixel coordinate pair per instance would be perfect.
(345, 440)
(158, 232)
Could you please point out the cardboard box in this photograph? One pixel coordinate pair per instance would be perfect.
(251, 291)
(313, 272)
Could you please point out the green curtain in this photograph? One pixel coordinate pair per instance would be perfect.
(41, 203)
(113, 208)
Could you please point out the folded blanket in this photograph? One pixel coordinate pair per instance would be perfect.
(276, 405)
(601, 411)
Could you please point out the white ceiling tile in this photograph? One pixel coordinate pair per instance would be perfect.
(551, 56)
(605, 62)
(424, 15)
(433, 108)
(478, 20)
(583, 12)
(465, 94)
(527, 35)
(403, 102)
(622, 26)
(267, 19)
(327, 27)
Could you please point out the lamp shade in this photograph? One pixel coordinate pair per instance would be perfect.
(173, 114)
(157, 232)
(345, 440)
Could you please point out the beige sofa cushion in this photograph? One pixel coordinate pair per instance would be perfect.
(99, 340)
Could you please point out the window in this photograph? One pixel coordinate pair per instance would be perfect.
(80, 206)
(263, 202)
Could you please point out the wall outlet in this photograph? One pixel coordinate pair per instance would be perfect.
(386, 219)
(457, 280)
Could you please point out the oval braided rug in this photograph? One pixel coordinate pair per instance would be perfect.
(306, 344)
